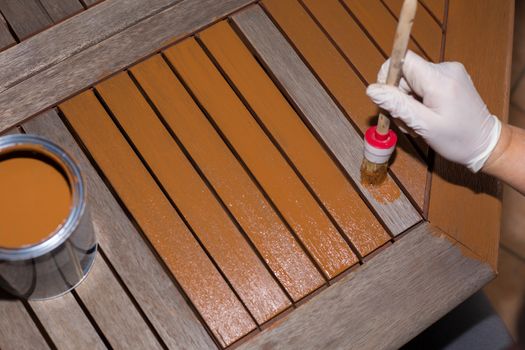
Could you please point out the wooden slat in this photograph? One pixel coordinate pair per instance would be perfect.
(422, 277)
(203, 284)
(263, 159)
(113, 311)
(346, 86)
(132, 259)
(72, 36)
(6, 39)
(64, 321)
(60, 81)
(380, 24)
(461, 203)
(333, 189)
(25, 17)
(17, 329)
(426, 31)
(221, 238)
(60, 9)
(252, 211)
(348, 36)
(437, 7)
(322, 114)
(91, 2)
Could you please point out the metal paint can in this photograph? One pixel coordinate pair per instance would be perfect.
(62, 261)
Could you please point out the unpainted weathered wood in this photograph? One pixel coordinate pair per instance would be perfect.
(60, 9)
(67, 325)
(17, 329)
(387, 301)
(25, 17)
(145, 278)
(70, 37)
(6, 39)
(60, 81)
(464, 204)
(113, 311)
(321, 112)
(91, 2)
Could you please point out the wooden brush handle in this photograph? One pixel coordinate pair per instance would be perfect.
(399, 49)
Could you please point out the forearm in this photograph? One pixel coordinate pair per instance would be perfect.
(507, 161)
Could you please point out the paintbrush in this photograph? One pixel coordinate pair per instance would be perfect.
(380, 141)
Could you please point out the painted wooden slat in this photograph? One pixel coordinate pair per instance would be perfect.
(113, 311)
(181, 253)
(60, 9)
(379, 23)
(6, 39)
(348, 36)
(72, 36)
(333, 189)
(423, 276)
(275, 176)
(64, 321)
(426, 31)
(346, 87)
(204, 214)
(252, 211)
(25, 17)
(66, 78)
(392, 206)
(464, 204)
(437, 7)
(132, 259)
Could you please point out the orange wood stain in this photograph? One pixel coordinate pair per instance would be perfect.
(346, 86)
(352, 41)
(248, 276)
(425, 30)
(294, 201)
(334, 190)
(387, 192)
(270, 236)
(437, 7)
(379, 23)
(35, 199)
(201, 281)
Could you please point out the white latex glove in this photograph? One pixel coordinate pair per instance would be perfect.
(453, 119)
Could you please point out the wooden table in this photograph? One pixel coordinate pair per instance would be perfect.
(220, 142)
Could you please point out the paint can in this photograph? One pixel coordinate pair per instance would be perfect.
(62, 259)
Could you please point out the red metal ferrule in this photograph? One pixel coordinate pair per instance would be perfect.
(377, 140)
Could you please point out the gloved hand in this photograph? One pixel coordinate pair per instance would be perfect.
(453, 119)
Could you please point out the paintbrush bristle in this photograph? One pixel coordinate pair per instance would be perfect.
(372, 173)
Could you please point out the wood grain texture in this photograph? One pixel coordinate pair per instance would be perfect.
(65, 321)
(465, 205)
(204, 214)
(130, 256)
(217, 304)
(348, 36)
(379, 23)
(333, 189)
(425, 30)
(17, 329)
(25, 17)
(437, 7)
(72, 36)
(346, 86)
(422, 276)
(267, 165)
(322, 113)
(60, 9)
(62, 80)
(275, 243)
(90, 3)
(113, 311)
(6, 39)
